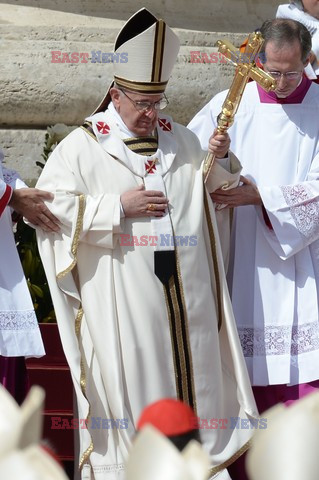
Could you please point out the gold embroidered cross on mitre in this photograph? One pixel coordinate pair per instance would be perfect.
(246, 68)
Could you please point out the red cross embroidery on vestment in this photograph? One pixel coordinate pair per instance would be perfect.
(103, 128)
(150, 166)
(165, 124)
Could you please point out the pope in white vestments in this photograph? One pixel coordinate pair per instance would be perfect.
(141, 301)
(274, 271)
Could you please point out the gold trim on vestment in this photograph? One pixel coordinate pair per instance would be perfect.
(88, 131)
(215, 261)
(232, 459)
(158, 54)
(214, 470)
(194, 405)
(75, 241)
(179, 336)
(178, 392)
(139, 145)
(141, 87)
(134, 147)
(181, 351)
(146, 146)
(78, 320)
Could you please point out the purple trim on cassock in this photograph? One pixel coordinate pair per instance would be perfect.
(296, 96)
(268, 396)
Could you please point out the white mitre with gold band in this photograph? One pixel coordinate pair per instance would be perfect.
(151, 47)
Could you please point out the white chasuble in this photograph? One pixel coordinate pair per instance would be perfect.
(126, 344)
(274, 272)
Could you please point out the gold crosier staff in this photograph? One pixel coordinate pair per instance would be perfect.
(245, 68)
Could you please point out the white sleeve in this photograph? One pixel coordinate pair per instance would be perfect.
(224, 174)
(284, 11)
(293, 211)
(312, 24)
(94, 219)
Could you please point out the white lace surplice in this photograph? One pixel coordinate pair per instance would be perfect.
(19, 330)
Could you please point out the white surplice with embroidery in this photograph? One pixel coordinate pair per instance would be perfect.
(125, 340)
(19, 329)
(274, 275)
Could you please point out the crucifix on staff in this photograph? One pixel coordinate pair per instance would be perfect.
(246, 68)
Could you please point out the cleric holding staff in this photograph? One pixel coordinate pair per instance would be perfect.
(274, 270)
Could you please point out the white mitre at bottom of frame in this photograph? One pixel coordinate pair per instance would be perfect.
(288, 448)
(153, 456)
(20, 432)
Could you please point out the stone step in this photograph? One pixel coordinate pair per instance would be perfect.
(228, 15)
(22, 148)
(37, 92)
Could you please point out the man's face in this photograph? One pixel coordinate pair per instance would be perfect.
(311, 7)
(138, 122)
(286, 58)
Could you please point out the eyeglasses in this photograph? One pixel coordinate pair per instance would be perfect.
(142, 106)
(288, 75)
